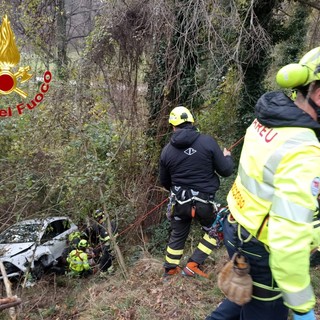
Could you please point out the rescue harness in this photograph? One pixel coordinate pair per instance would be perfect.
(184, 196)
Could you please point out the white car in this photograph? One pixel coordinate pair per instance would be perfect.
(34, 244)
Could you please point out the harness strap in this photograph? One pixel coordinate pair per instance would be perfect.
(193, 211)
(260, 291)
(193, 207)
(77, 254)
(180, 198)
(242, 235)
(265, 293)
(194, 198)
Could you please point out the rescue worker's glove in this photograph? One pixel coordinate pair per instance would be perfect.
(304, 316)
(234, 280)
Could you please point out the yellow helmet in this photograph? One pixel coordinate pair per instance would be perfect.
(83, 244)
(98, 214)
(74, 235)
(300, 74)
(180, 115)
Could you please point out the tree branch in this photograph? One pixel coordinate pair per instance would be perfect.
(313, 4)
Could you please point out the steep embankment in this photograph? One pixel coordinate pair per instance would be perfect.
(143, 296)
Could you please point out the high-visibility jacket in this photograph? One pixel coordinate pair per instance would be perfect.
(74, 235)
(274, 197)
(78, 261)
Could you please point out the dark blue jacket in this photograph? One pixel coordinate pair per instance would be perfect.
(193, 161)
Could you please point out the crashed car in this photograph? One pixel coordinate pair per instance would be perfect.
(34, 244)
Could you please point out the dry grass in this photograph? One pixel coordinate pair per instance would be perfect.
(143, 296)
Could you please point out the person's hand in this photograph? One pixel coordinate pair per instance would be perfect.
(306, 316)
(226, 152)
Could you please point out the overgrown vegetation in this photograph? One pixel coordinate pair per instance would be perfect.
(118, 68)
(104, 123)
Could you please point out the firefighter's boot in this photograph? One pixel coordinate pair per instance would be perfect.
(172, 272)
(192, 269)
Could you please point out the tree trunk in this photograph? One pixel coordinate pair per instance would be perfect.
(61, 39)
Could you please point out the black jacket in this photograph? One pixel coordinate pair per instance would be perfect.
(193, 161)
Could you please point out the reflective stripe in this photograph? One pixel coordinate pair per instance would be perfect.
(105, 238)
(196, 196)
(272, 163)
(267, 299)
(242, 232)
(265, 293)
(207, 244)
(264, 189)
(210, 240)
(76, 262)
(174, 252)
(204, 249)
(260, 189)
(173, 261)
(196, 199)
(291, 211)
(298, 298)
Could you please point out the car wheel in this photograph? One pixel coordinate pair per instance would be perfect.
(38, 270)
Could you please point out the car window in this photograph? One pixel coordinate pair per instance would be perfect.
(20, 233)
(54, 229)
(61, 226)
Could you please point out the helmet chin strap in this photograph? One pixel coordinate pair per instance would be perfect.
(315, 107)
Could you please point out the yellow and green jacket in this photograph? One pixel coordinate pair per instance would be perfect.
(274, 196)
(78, 261)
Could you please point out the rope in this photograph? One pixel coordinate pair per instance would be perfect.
(236, 143)
(138, 221)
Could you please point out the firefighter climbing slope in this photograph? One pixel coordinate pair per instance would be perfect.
(189, 167)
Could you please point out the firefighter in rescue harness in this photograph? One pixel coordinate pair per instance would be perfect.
(72, 244)
(189, 167)
(273, 220)
(78, 260)
(100, 240)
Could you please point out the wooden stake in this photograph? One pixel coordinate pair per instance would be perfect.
(113, 240)
(7, 283)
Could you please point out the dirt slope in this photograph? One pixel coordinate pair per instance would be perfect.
(143, 296)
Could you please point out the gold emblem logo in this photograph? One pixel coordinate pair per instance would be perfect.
(10, 57)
